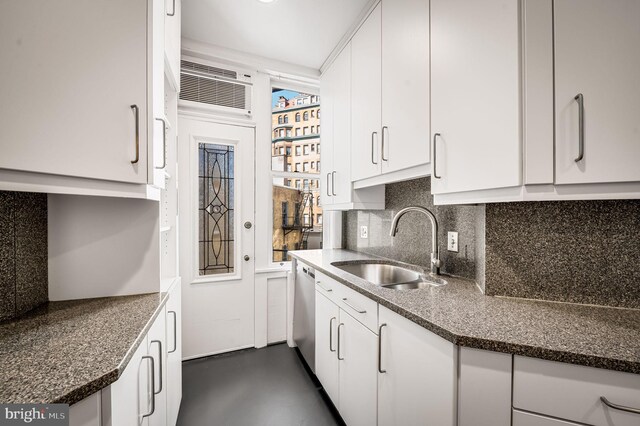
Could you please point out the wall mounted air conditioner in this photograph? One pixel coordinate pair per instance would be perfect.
(214, 89)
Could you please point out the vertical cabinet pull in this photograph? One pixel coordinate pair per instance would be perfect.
(380, 370)
(580, 99)
(333, 183)
(153, 386)
(435, 171)
(136, 112)
(159, 365)
(373, 135)
(328, 193)
(174, 9)
(383, 143)
(175, 332)
(331, 334)
(338, 351)
(164, 143)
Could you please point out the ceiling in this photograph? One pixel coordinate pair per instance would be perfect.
(301, 32)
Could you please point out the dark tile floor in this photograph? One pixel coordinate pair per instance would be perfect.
(252, 387)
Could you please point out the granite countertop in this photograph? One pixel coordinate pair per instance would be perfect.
(63, 352)
(578, 334)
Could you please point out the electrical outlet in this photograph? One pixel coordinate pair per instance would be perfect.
(452, 241)
(364, 232)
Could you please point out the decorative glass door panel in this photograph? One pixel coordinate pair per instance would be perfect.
(216, 209)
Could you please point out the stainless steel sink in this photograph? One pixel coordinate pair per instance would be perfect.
(390, 276)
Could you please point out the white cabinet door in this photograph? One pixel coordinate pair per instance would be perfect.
(74, 74)
(172, 40)
(365, 98)
(174, 353)
(475, 95)
(157, 348)
(341, 94)
(158, 123)
(327, 91)
(418, 385)
(128, 400)
(357, 352)
(327, 317)
(597, 55)
(405, 84)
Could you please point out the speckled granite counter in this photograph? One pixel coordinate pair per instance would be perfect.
(65, 351)
(578, 334)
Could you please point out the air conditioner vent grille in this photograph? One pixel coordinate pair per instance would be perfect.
(192, 66)
(213, 86)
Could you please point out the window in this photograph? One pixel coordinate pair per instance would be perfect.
(280, 119)
(319, 219)
(295, 206)
(216, 209)
(318, 129)
(318, 113)
(313, 129)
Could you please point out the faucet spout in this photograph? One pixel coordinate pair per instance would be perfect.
(435, 252)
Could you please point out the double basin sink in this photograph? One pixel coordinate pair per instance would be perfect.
(389, 275)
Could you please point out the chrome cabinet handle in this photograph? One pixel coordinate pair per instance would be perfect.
(338, 351)
(333, 183)
(323, 287)
(328, 193)
(580, 99)
(331, 334)
(153, 385)
(136, 111)
(344, 299)
(174, 9)
(164, 143)
(380, 370)
(175, 332)
(159, 364)
(383, 139)
(619, 407)
(435, 172)
(372, 150)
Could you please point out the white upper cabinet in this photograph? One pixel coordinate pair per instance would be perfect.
(81, 95)
(597, 65)
(475, 95)
(173, 16)
(405, 84)
(328, 91)
(366, 100)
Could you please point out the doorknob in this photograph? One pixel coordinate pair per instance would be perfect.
(248, 225)
(246, 257)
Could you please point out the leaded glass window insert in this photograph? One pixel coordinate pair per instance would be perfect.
(216, 209)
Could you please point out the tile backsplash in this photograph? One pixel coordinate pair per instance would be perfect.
(568, 251)
(412, 244)
(23, 252)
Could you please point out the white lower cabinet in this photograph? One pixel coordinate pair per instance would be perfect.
(327, 316)
(521, 418)
(416, 376)
(357, 355)
(174, 353)
(157, 348)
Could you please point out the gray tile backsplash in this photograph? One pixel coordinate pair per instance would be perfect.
(23, 252)
(568, 251)
(412, 244)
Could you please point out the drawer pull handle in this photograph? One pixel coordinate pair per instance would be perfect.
(344, 299)
(380, 370)
(153, 385)
(136, 112)
(619, 407)
(331, 334)
(580, 99)
(164, 143)
(324, 288)
(160, 364)
(175, 332)
(338, 352)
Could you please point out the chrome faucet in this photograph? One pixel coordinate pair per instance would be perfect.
(435, 253)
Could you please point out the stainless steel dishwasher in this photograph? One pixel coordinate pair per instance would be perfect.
(304, 313)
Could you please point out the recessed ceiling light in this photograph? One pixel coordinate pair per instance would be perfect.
(266, 1)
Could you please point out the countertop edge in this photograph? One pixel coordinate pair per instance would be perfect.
(612, 364)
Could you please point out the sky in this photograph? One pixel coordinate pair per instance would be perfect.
(276, 93)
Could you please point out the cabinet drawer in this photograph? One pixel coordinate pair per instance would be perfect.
(358, 306)
(328, 287)
(529, 419)
(573, 392)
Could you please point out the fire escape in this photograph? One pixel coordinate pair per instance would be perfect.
(297, 223)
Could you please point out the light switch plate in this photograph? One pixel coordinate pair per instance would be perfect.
(452, 241)
(364, 232)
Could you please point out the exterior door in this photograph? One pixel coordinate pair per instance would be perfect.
(216, 163)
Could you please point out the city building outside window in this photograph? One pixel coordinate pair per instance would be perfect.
(280, 119)
(305, 116)
(297, 117)
(286, 119)
(297, 169)
(305, 167)
(306, 130)
(297, 131)
(306, 149)
(298, 150)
